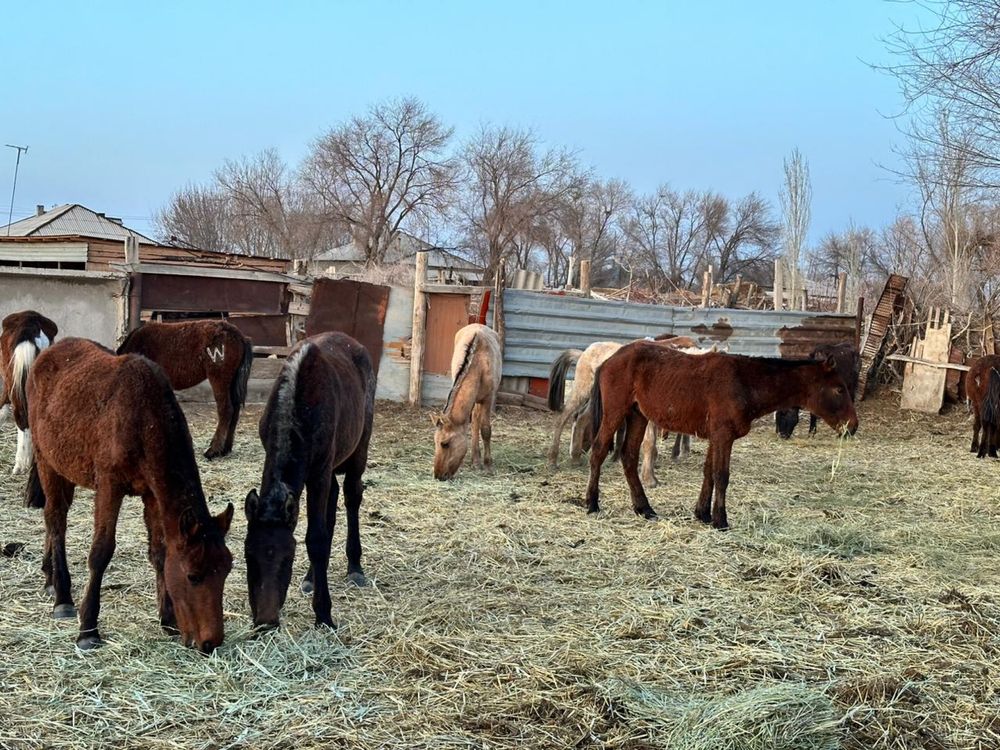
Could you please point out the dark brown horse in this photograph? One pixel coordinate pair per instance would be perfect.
(195, 350)
(848, 367)
(113, 424)
(977, 387)
(317, 424)
(22, 336)
(715, 396)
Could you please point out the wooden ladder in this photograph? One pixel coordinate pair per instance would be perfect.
(881, 320)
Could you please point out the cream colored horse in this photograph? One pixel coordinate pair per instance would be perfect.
(577, 408)
(476, 365)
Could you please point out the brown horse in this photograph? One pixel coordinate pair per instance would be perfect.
(113, 424)
(476, 364)
(195, 350)
(977, 385)
(317, 424)
(715, 396)
(22, 336)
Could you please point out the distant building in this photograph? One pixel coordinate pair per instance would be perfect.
(74, 237)
(443, 264)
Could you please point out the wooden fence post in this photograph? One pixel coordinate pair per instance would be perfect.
(499, 282)
(779, 286)
(841, 291)
(419, 329)
(585, 277)
(706, 288)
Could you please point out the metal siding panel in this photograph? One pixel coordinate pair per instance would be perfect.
(540, 326)
(207, 294)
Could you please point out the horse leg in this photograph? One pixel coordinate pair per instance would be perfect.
(318, 541)
(721, 453)
(157, 551)
(222, 440)
(976, 425)
(307, 586)
(564, 417)
(353, 495)
(477, 420)
(812, 423)
(578, 439)
(486, 430)
(107, 504)
(649, 453)
(604, 435)
(22, 458)
(635, 437)
(703, 508)
(58, 498)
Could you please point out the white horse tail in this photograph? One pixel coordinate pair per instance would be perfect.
(22, 360)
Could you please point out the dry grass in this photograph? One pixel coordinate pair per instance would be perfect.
(858, 613)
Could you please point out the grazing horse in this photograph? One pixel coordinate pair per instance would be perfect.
(475, 372)
(715, 396)
(578, 408)
(848, 367)
(195, 350)
(22, 336)
(977, 388)
(113, 424)
(317, 424)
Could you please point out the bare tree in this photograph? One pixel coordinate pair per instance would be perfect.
(951, 64)
(744, 237)
(196, 216)
(379, 171)
(510, 185)
(796, 203)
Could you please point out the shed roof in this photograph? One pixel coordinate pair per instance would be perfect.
(72, 219)
(403, 250)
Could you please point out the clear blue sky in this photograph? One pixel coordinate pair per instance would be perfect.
(122, 103)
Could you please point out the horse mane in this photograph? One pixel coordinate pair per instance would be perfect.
(470, 350)
(283, 418)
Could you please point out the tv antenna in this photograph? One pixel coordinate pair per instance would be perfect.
(10, 213)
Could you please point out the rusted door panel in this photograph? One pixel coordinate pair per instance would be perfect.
(208, 294)
(352, 307)
(263, 330)
(446, 314)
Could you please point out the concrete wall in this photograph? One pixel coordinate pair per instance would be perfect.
(394, 367)
(82, 303)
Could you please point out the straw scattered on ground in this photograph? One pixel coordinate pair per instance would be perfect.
(854, 608)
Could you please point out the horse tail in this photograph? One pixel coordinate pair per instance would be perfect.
(238, 385)
(557, 378)
(596, 404)
(22, 360)
(34, 496)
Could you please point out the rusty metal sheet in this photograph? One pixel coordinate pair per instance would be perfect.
(352, 307)
(263, 330)
(171, 293)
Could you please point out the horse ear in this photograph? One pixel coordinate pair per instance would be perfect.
(829, 364)
(437, 419)
(225, 519)
(251, 505)
(189, 524)
(291, 509)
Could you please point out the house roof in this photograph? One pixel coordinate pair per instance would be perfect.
(73, 220)
(403, 250)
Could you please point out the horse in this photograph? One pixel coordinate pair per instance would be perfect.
(113, 424)
(577, 411)
(977, 388)
(22, 336)
(848, 366)
(715, 396)
(476, 364)
(192, 351)
(317, 424)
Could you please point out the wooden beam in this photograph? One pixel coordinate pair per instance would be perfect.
(779, 286)
(841, 291)
(500, 282)
(419, 328)
(180, 269)
(917, 361)
(585, 277)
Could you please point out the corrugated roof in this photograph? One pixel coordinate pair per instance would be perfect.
(403, 250)
(72, 219)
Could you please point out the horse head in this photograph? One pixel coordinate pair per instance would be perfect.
(270, 551)
(830, 399)
(194, 572)
(451, 441)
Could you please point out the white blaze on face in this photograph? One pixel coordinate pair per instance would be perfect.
(22, 459)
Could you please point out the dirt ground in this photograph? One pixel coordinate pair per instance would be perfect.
(853, 604)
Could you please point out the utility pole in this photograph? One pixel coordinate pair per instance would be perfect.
(10, 214)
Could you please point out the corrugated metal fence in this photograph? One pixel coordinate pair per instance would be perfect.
(539, 326)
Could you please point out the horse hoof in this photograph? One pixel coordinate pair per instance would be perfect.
(213, 453)
(63, 612)
(721, 527)
(593, 511)
(327, 623)
(358, 579)
(89, 642)
(306, 587)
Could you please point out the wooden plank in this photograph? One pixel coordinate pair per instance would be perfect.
(419, 328)
(923, 386)
(943, 365)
